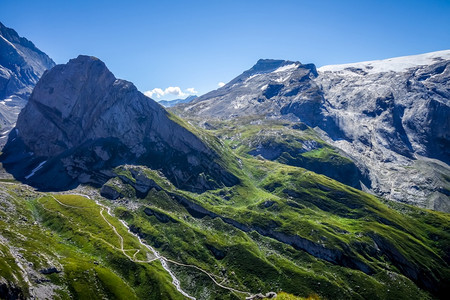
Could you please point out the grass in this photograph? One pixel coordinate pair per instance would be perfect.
(281, 141)
(81, 245)
(352, 245)
(258, 263)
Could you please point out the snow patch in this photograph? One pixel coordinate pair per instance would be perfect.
(251, 77)
(36, 169)
(286, 68)
(283, 79)
(11, 44)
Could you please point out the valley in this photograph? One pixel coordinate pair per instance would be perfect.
(238, 246)
(290, 181)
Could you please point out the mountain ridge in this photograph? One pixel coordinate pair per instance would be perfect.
(395, 63)
(385, 120)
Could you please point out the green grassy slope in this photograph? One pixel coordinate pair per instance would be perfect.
(281, 229)
(38, 233)
(288, 143)
(286, 228)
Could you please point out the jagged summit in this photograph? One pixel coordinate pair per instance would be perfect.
(265, 66)
(270, 65)
(254, 91)
(81, 121)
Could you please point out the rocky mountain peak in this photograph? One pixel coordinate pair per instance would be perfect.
(81, 121)
(67, 87)
(13, 37)
(253, 92)
(270, 65)
(264, 66)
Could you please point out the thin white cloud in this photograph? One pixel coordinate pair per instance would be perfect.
(221, 84)
(157, 92)
(175, 91)
(191, 91)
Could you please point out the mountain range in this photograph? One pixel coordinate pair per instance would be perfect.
(289, 181)
(389, 117)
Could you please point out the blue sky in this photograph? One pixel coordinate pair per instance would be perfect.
(197, 44)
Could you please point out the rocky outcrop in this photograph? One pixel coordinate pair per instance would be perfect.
(161, 217)
(269, 295)
(218, 253)
(21, 66)
(390, 117)
(111, 190)
(10, 291)
(49, 270)
(140, 182)
(80, 122)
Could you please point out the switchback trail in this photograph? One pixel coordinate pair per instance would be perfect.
(164, 261)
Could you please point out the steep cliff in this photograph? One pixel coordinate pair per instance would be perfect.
(80, 121)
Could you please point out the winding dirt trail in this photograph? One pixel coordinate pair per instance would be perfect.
(164, 261)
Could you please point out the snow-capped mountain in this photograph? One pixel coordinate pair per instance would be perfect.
(21, 66)
(391, 116)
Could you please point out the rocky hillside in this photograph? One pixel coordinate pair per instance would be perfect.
(390, 117)
(262, 90)
(282, 228)
(21, 66)
(80, 122)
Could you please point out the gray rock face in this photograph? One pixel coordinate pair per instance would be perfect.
(21, 66)
(394, 116)
(265, 89)
(80, 121)
(391, 116)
